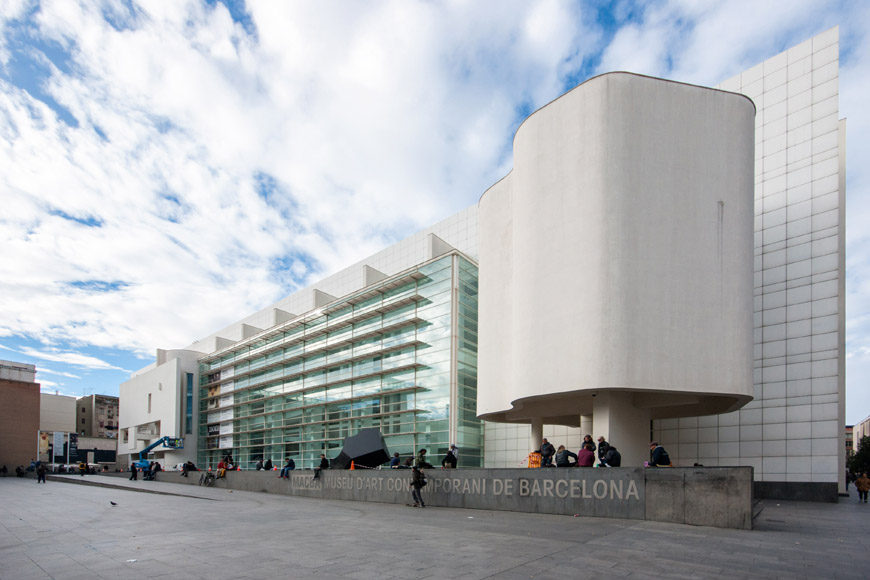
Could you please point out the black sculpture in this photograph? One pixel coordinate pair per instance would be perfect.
(366, 449)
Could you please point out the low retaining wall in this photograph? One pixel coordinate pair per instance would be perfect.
(714, 496)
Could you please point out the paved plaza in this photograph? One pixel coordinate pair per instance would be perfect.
(60, 530)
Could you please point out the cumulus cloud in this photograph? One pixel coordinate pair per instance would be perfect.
(183, 169)
(72, 358)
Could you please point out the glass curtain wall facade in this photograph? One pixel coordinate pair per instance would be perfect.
(399, 355)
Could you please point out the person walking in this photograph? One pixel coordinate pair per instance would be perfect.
(418, 480)
(134, 473)
(862, 484)
(40, 473)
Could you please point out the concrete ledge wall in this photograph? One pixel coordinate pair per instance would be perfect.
(719, 497)
(797, 491)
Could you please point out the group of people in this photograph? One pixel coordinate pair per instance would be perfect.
(148, 473)
(450, 460)
(606, 454)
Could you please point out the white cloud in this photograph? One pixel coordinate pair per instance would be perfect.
(45, 370)
(71, 358)
(372, 121)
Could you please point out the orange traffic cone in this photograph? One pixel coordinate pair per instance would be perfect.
(351, 465)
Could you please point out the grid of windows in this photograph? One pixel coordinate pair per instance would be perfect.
(385, 356)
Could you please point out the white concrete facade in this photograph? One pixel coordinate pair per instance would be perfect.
(793, 429)
(616, 261)
(154, 404)
(791, 432)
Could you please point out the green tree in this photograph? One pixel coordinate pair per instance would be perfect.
(860, 462)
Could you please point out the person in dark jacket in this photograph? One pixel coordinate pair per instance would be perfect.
(324, 464)
(421, 462)
(602, 448)
(288, 467)
(134, 473)
(450, 460)
(268, 465)
(40, 473)
(547, 452)
(187, 467)
(395, 461)
(658, 456)
(418, 480)
(862, 484)
(612, 458)
(563, 458)
(587, 440)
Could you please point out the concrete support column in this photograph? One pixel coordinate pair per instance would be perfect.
(537, 434)
(586, 426)
(623, 425)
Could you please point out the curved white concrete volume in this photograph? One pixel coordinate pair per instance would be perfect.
(616, 261)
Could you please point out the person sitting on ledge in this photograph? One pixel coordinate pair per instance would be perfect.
(602, 448)
(587, 440)
(563, 458)
(324, 464)
(268, 465)
(586, 455)
(547, 452)
(612, 458)
(421, 460)
(658, 456)
(288, 467)
(449, 461)
(395, 461)
(259, 465)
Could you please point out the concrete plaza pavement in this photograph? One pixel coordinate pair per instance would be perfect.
(59, 530)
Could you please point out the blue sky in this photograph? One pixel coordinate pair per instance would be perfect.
(170, 167)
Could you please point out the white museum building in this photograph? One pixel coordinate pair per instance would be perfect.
(664, 261)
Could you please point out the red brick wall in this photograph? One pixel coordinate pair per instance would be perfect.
(19, 423)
